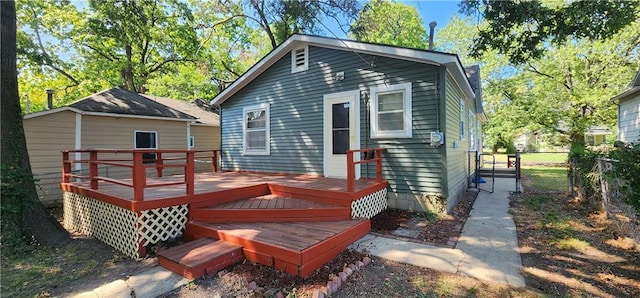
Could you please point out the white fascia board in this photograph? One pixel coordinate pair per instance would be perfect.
(52, 111)
(626, 94)
(434, 58)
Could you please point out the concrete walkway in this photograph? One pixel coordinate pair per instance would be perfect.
(487, 249)
(148, 284)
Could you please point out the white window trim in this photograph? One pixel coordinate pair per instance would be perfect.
(463, 115)
(135, 141)
(294, 67)
(192, 142)
(267, 150)
(407, 131)
(472, 131)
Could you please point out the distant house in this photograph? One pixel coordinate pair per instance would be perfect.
(629, 112)
(113, 119)
(298, 109)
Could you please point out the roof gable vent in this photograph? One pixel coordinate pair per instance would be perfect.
(300, 59)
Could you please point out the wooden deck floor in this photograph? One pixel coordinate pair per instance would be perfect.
(220, 184)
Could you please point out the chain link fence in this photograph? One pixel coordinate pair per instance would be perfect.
(601, 187)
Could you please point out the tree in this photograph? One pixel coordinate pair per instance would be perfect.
(23, 216)
(561, 94)
(279, 19)
(524, 29)
(388, 22)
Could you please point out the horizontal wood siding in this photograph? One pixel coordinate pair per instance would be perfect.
(296, 108)
(46, 137)
(206, 137)
(117, 133)
(456, 158)
(629, 120)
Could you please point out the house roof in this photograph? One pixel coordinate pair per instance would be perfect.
(473, 73)
(198, 109)
(633, 90)
(450, 61)
(118, 102)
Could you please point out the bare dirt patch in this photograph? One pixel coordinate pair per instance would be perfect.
(569, 249)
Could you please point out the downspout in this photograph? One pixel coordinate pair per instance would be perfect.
(188, 135)
(78, 142)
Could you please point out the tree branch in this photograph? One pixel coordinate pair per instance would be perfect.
(49, 62)
(157, 66)
(264, 23)
(536, 71)
(229, 69)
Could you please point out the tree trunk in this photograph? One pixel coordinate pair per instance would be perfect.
(23, 215)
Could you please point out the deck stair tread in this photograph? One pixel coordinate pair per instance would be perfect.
(298, 248)
(195, 258)
(272, 202)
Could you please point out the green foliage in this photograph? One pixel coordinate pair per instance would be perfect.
(628, 169)
(523, 29)
(388, 22)
(13, 193)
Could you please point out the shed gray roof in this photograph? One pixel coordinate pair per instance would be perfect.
(124, 102)
(191, 108)
(632, 91)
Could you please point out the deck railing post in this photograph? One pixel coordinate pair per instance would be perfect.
(66, 167)
(189, 172)
(159, 164)
(378, 154)
(139, 177)
(215, 161)
(351, 172)
(93, 169)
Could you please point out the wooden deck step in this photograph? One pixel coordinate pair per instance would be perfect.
(195, 258)
(270, 208)
(297, 248)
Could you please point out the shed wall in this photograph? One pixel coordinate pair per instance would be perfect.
(629, 120)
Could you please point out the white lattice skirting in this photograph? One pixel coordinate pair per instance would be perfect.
(369, 205)
(124, 230)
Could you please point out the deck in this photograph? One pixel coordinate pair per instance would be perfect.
(295, 223)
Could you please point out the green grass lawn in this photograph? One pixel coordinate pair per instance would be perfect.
(553, 158)
(547, 178)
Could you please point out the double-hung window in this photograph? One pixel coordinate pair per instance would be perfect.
(146, 140)
(255, 130)
(391, 111)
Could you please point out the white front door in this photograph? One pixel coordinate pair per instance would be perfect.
(341, 131)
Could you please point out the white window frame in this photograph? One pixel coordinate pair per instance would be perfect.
(374, 92)
(472, 131)
(135, 144)
(294, 66)
(463, 115)
(192, 142)
(267, 149)
(135, 139)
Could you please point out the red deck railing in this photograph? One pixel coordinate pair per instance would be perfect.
(371, 155)
(138, 165)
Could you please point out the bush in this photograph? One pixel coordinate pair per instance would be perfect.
(628, 169)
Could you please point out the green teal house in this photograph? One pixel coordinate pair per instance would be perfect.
(300, 107)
